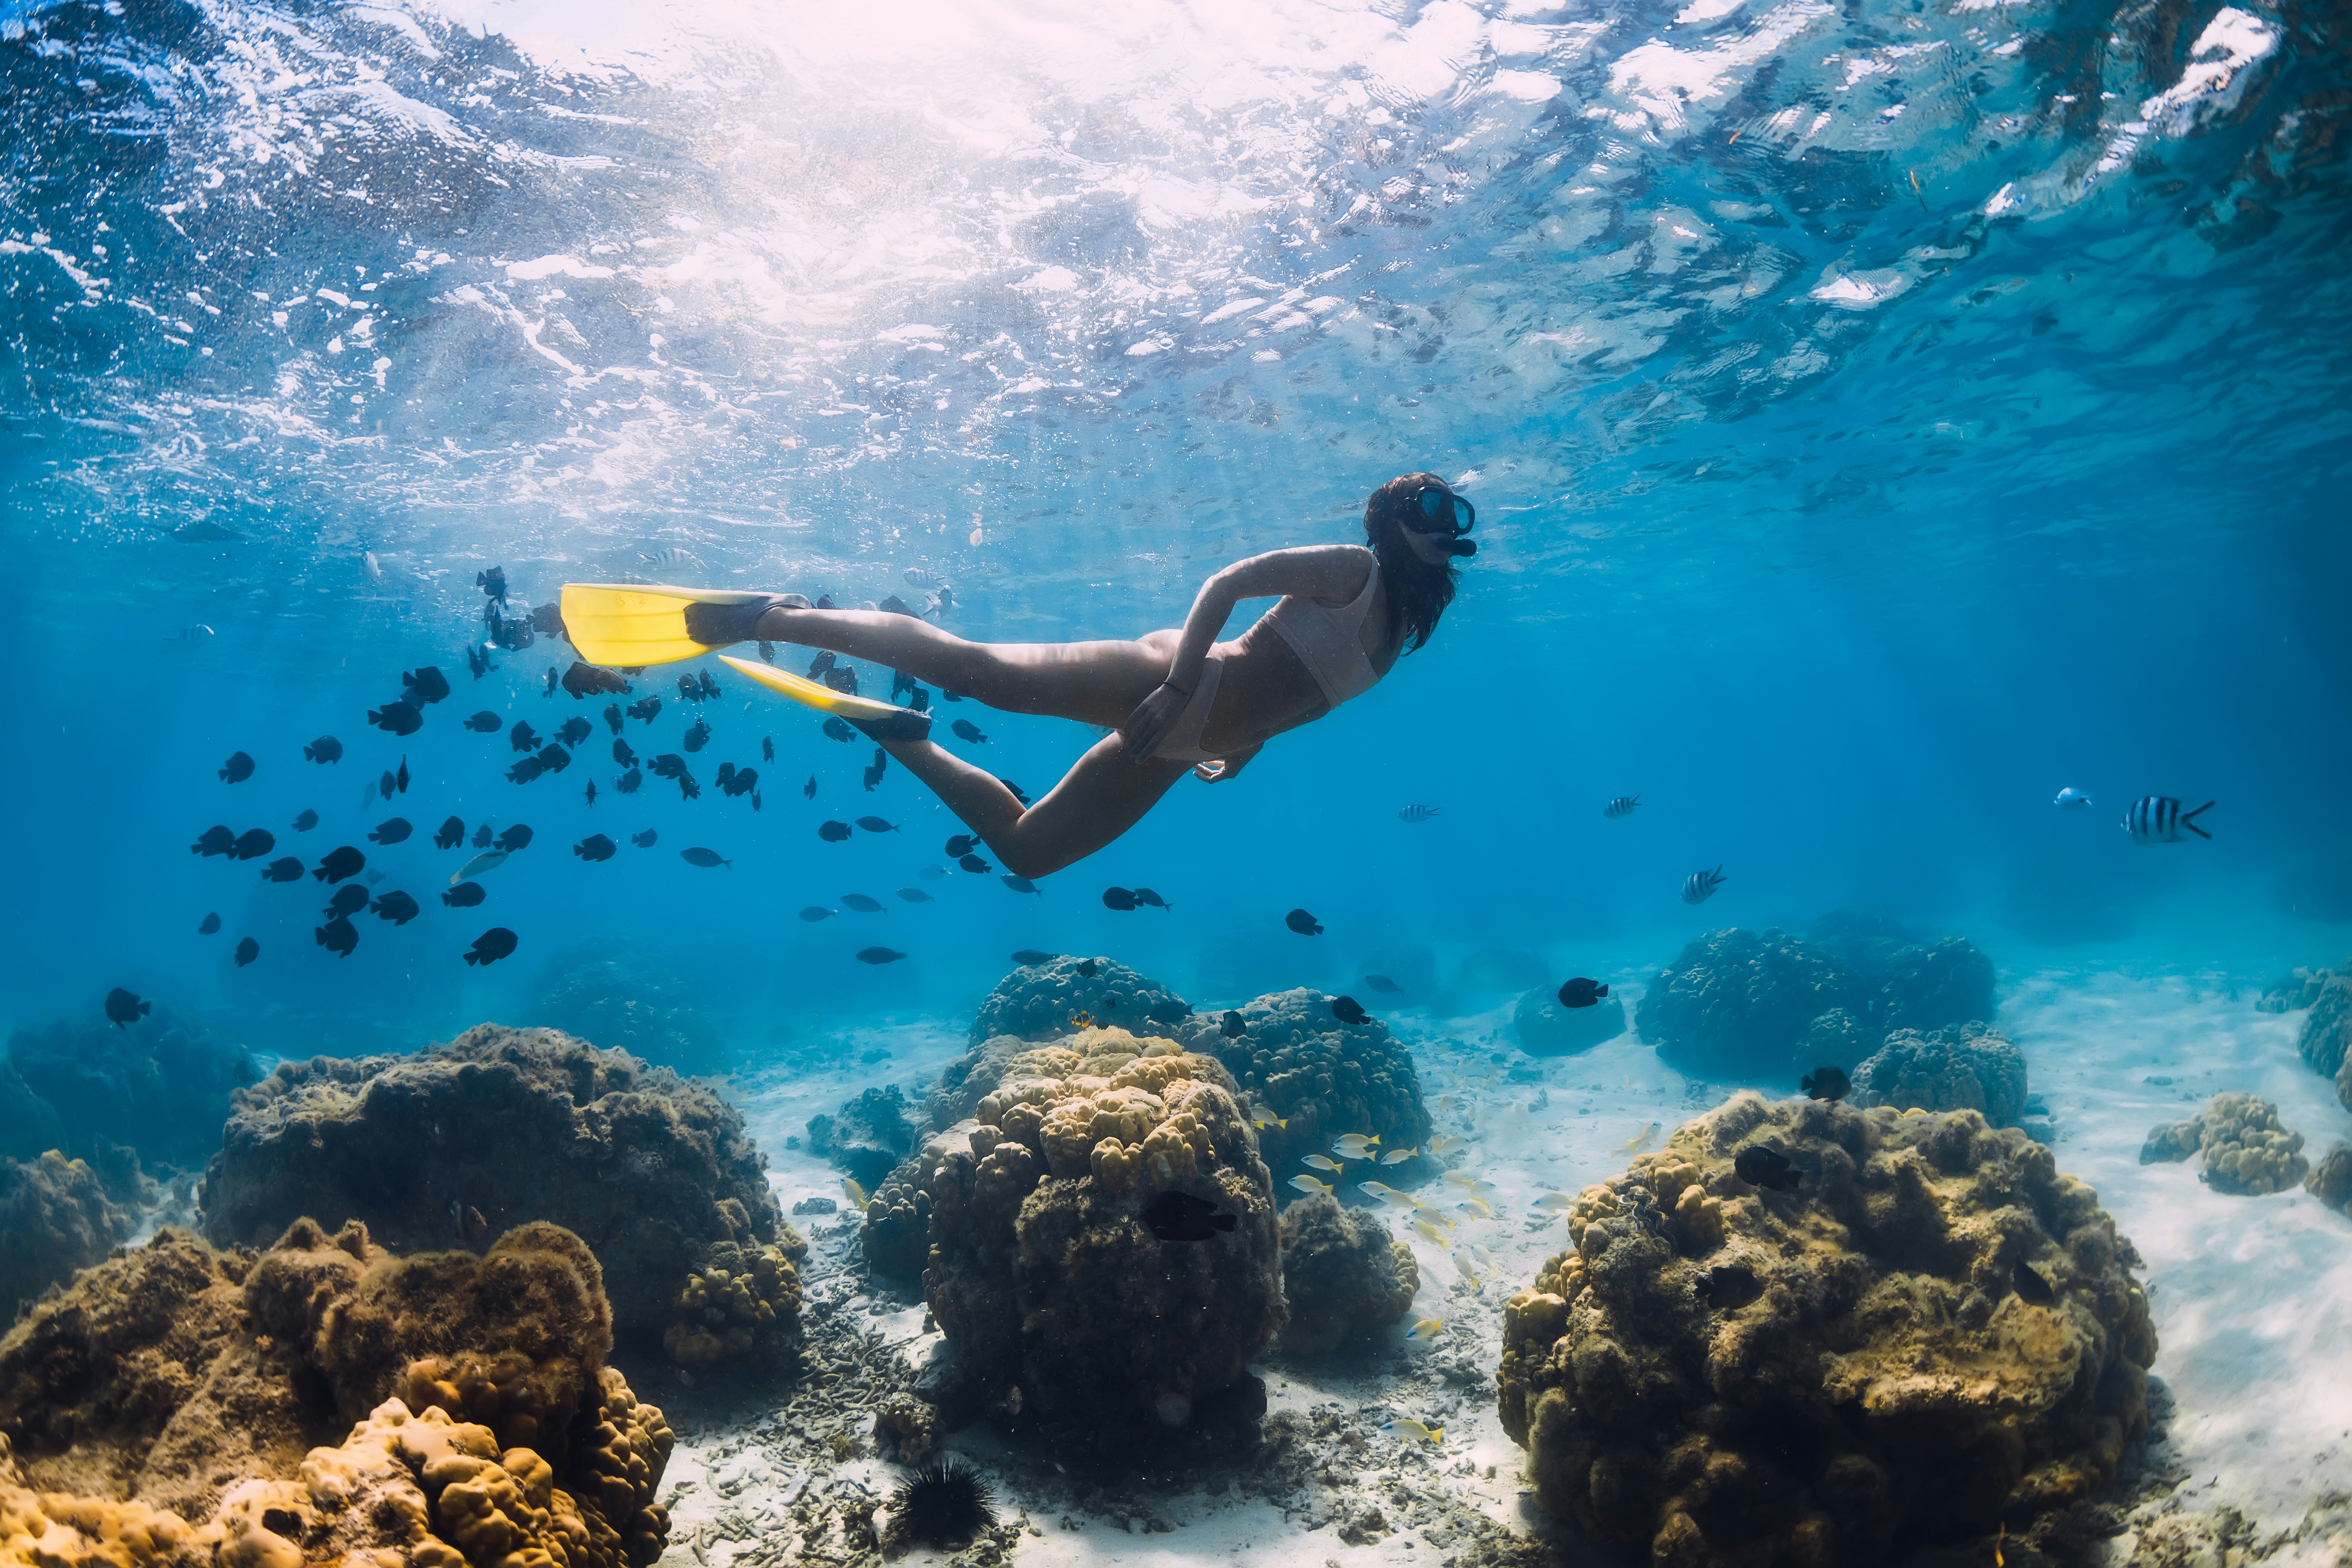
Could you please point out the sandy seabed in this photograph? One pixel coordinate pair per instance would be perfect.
(2252, 1299)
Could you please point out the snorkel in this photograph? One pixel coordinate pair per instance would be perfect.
(1435, 527)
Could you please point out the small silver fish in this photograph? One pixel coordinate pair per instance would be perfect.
(489, 861)
(2071, 799)
(374, 567)
(916, 577)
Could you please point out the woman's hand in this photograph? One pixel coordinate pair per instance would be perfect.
(1153, 718)
(1223, 769)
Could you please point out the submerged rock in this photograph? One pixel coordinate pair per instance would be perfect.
(56, 1219)
(1737, 1004)
(1545, 1028)
(1046, 1001)
(1297, 1062)
(1062, 1304)
(1962, 1067)
(620, 996)
(176, 1390)
(2247, 1150)
(2331, 1180)
(495, 1128)
(1746, 1004)
(867, 1137)
(162, 1087)
(1837, 1393)
(1344, 1278)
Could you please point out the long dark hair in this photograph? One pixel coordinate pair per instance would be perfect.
(1418, 592)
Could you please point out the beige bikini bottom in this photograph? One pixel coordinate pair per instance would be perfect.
(1184, 742)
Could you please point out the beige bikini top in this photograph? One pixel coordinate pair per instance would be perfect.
(1328, 641)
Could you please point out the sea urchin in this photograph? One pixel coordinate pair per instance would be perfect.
(944, 1503)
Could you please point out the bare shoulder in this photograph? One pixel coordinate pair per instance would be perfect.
(1331, 572)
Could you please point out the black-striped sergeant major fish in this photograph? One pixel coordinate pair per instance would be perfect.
(2159, 819)
(671, 556)
(1701, 886)
(1622, 807)
(1418, 813)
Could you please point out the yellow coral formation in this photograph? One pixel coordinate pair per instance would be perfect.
(1042, 1270)
(1886, 1381)
(222, 1369)
(747, 1303)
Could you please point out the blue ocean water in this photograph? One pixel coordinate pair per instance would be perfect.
(1880, 416)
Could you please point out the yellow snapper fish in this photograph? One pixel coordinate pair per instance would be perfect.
(1425, 1328)
(1478, 1207)
(1388, 1194)
(1639, 1141)
(853, 1193)
(1483, 1258)
(1445, 1102)
(1447, 1144)
(1398, 1156)
(1323, 1162)
(1476, 1186)
(1406, 1427)
(1429, 1230)
(1556, 1203)
(1308, 1184)
(1355, 1145)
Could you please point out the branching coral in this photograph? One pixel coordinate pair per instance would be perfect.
(1323, 1077)
(1962, 1067)
(1039, 1001)
(2247, 1150)
(1931, 1333)
(1045, 1274)
(492, 1129)
(1344, 1279)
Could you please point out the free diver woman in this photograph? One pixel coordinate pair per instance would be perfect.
(1178, 702)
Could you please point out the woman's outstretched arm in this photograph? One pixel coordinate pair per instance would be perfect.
(1332, 573)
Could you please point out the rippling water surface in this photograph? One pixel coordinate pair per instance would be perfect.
(1881, 414)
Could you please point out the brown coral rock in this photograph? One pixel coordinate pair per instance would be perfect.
(646, 1167)
(2331, 1180)
(1043, 1274)
(207, 1388)
(1344, 1278)
(56, 1217)
(2247, 1150)
(743, 1305)
(1888, 1388)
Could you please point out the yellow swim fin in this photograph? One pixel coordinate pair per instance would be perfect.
(626, 626)
(881, 721)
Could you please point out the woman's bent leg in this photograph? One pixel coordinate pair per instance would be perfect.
(1093, 682)
(1098, 799)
